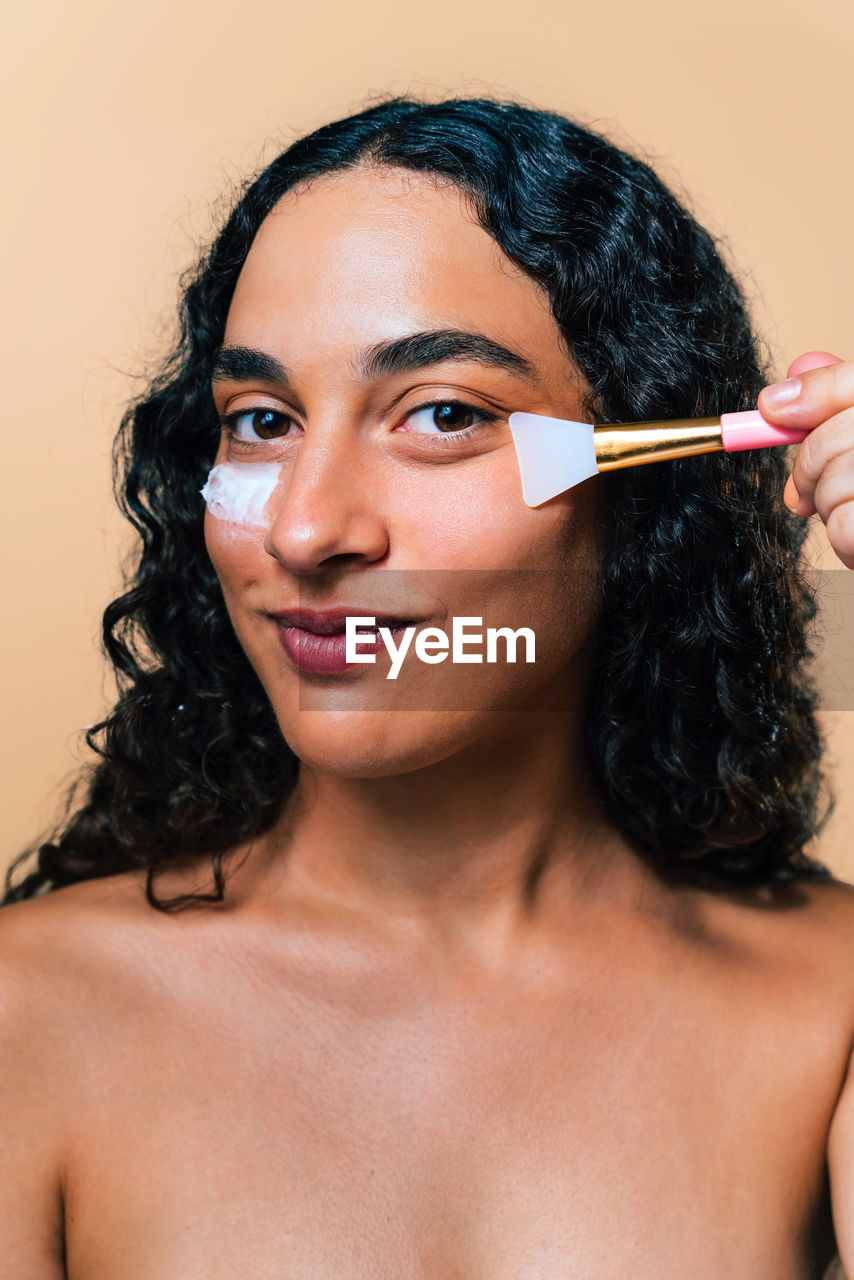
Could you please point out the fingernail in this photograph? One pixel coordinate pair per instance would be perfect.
(780, 393)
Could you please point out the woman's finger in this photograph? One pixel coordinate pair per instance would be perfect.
(835, 486)
(840, 532)
(811, 360)
(809, 398)
(831, 442)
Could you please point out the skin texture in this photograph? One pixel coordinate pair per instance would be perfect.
(446, 1024)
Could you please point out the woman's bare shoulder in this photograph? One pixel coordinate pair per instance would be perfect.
(801, 929)
(829, 902)
(60, 947)
(829, 924)
(44, 925)
(58, 954)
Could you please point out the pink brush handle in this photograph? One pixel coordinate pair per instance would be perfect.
(749, 430)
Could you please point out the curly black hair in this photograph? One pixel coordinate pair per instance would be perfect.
(701, 721)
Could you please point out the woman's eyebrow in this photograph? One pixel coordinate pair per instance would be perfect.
(399, 355)
(418, 350)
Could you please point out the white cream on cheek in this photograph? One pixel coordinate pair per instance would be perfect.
(239, 491)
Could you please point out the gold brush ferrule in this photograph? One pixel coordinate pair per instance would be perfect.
(630, 444)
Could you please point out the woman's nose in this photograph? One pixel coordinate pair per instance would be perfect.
(324, 508)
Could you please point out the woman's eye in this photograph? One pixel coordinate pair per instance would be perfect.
(447, 416)
(253, 425)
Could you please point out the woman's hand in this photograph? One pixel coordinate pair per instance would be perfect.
(822, 479)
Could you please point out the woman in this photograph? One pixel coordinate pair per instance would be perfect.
(536, 979)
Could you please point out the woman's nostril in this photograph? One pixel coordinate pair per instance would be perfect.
(307, 538)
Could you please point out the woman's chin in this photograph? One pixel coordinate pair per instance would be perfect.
(378, 744)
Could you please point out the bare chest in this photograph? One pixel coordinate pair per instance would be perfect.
(582, 1138)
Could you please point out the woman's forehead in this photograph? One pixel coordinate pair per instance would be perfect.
(387, 226)
(382, 251)
(390, 195)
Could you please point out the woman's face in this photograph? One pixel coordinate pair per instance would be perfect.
(368, 501)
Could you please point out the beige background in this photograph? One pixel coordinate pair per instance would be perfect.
(130, 120)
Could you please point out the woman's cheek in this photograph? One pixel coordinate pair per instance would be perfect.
(237, 499)
(231, 547)
(476, 518)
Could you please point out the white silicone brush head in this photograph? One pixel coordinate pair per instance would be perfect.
(554, 454)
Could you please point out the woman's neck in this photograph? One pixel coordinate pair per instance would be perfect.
(485, 837)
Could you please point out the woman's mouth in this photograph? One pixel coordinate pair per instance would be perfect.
(327, 654)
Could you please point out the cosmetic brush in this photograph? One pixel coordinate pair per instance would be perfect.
(555, 454)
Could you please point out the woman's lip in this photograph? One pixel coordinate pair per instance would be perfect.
(326, 653)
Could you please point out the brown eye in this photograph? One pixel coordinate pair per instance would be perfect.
(446, 417)
(266, 423)
(452, 416)
(253, 425)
